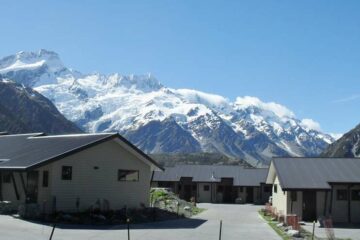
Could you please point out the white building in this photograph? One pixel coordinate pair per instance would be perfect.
(316, 187)
(73, 172)
(215, 183)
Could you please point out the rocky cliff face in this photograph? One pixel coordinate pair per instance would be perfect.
(346, 146)
(23, 110)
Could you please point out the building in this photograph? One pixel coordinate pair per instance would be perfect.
(316, 187)
(74, 172)
(215, 183)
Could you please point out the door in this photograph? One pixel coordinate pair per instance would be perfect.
(187, 192)
(249, 194)
(309, 206)
(227, 197)
(32, 186)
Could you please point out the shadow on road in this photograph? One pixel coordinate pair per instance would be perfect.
(185, 223)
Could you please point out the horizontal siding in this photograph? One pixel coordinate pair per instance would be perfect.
(90, 185)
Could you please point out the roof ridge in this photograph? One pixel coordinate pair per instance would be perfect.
(75, 135)
(5, 134)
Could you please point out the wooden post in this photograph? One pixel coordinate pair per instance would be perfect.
(313, 231)
(220, 230)
(52, 232)
(128, 228)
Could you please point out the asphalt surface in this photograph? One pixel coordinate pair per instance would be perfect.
(239, 222)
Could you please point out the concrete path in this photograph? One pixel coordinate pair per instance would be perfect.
(344, 232)
(239, 222)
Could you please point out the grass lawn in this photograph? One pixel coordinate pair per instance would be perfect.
(272, 224)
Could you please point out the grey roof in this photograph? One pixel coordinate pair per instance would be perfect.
(316, 173)
(213, 173)
(24, 151)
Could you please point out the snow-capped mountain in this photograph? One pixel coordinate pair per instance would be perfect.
(160, 119)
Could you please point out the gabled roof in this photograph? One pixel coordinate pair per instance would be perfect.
(213, 173)
(315, 173)
(28, 151)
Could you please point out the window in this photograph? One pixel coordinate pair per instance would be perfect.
(342, 194)
(275, 188)
(128, 175)
(293, 196)
(241, 189)
(45, 180)
(7, 177)
(206, 188)
(220, 188)
(355, 195)
(66, 173)
(267, 189)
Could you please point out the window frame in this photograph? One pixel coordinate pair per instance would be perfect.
(45, 180)
(275, 188)
(63, 173)
(355, 195)
(130, 172)
(267, 189)
(344, 193)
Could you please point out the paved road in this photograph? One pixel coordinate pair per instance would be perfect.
(344, 232)
(239, 222)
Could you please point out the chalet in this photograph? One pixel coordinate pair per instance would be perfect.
(215, 183)
(313, 188)
(74, 172)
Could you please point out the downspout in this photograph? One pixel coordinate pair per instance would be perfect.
(325, 203)
(23, 186)
(1, 195)
(349, 203)
(14, 185)
(152, 177)
(291, 202)
(331, 200)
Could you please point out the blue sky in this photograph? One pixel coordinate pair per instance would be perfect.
(302, 54)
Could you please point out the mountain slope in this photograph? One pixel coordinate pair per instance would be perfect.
(23, 110)
(159, 119)
(346, 146)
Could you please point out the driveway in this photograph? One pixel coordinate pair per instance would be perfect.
(239, 222)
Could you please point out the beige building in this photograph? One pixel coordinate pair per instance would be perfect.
(314, 188)
(74, 172)
(215, 183)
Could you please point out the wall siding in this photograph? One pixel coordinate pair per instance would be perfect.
(280, 199)
(89, 184)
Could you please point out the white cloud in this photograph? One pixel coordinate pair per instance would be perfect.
(310, 124)
(278, 109)
(348, 99)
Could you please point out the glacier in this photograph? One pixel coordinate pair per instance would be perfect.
(160, 119)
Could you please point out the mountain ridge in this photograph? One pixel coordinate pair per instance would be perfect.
(173, 120)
